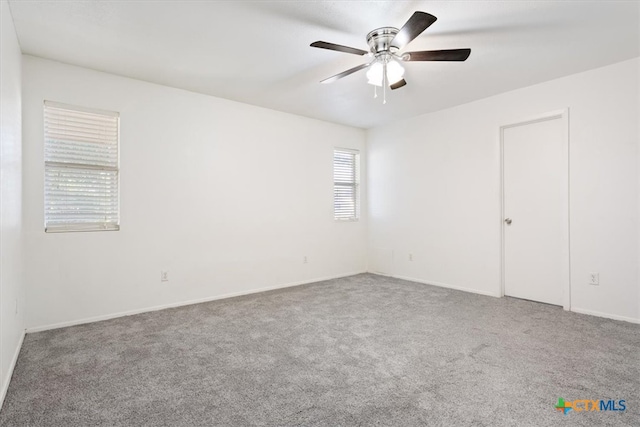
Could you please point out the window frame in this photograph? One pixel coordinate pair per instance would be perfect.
(86, 226)
(355, 184)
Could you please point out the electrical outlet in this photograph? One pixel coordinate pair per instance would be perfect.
(594, 278)
(410, 257)
(164, 276)
(304, 260)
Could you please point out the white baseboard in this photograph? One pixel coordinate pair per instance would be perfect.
(180, 304)
(605, 315)
(14, 360)
(440, 284)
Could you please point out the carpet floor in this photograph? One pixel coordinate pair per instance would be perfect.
(364, 350)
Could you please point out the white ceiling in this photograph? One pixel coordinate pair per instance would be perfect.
(258, 52)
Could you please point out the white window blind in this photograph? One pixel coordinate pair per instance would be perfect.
(81, 169)
(346, 182)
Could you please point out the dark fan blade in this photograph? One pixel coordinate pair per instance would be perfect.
(438, 55)
(345, 73)
(418, 22)
(398, 85)
(339, 48)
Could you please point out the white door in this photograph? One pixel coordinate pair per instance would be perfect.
(536, 208)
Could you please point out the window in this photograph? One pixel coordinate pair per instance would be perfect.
(346, 184)
(81, 169)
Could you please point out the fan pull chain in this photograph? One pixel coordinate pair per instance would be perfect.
(384, 84)
(375, 91)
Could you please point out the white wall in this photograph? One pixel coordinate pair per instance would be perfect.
(434, 189)
(227, 197)
(434, 192)
(11, 284)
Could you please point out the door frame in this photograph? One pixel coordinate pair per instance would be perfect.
(562, 115)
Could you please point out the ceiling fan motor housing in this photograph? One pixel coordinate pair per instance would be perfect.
(379, 40)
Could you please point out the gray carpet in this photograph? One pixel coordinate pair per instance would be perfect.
(364, 350)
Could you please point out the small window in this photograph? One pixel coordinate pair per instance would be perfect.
(346, 184)
(81, 169)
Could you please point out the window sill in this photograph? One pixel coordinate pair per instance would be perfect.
(81, 228)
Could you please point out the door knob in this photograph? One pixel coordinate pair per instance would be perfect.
(508, 221)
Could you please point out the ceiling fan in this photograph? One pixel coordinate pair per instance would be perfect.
(385, 45)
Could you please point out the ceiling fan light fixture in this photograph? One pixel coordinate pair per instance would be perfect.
(395, 72)
(375, 74)
(393, 69)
